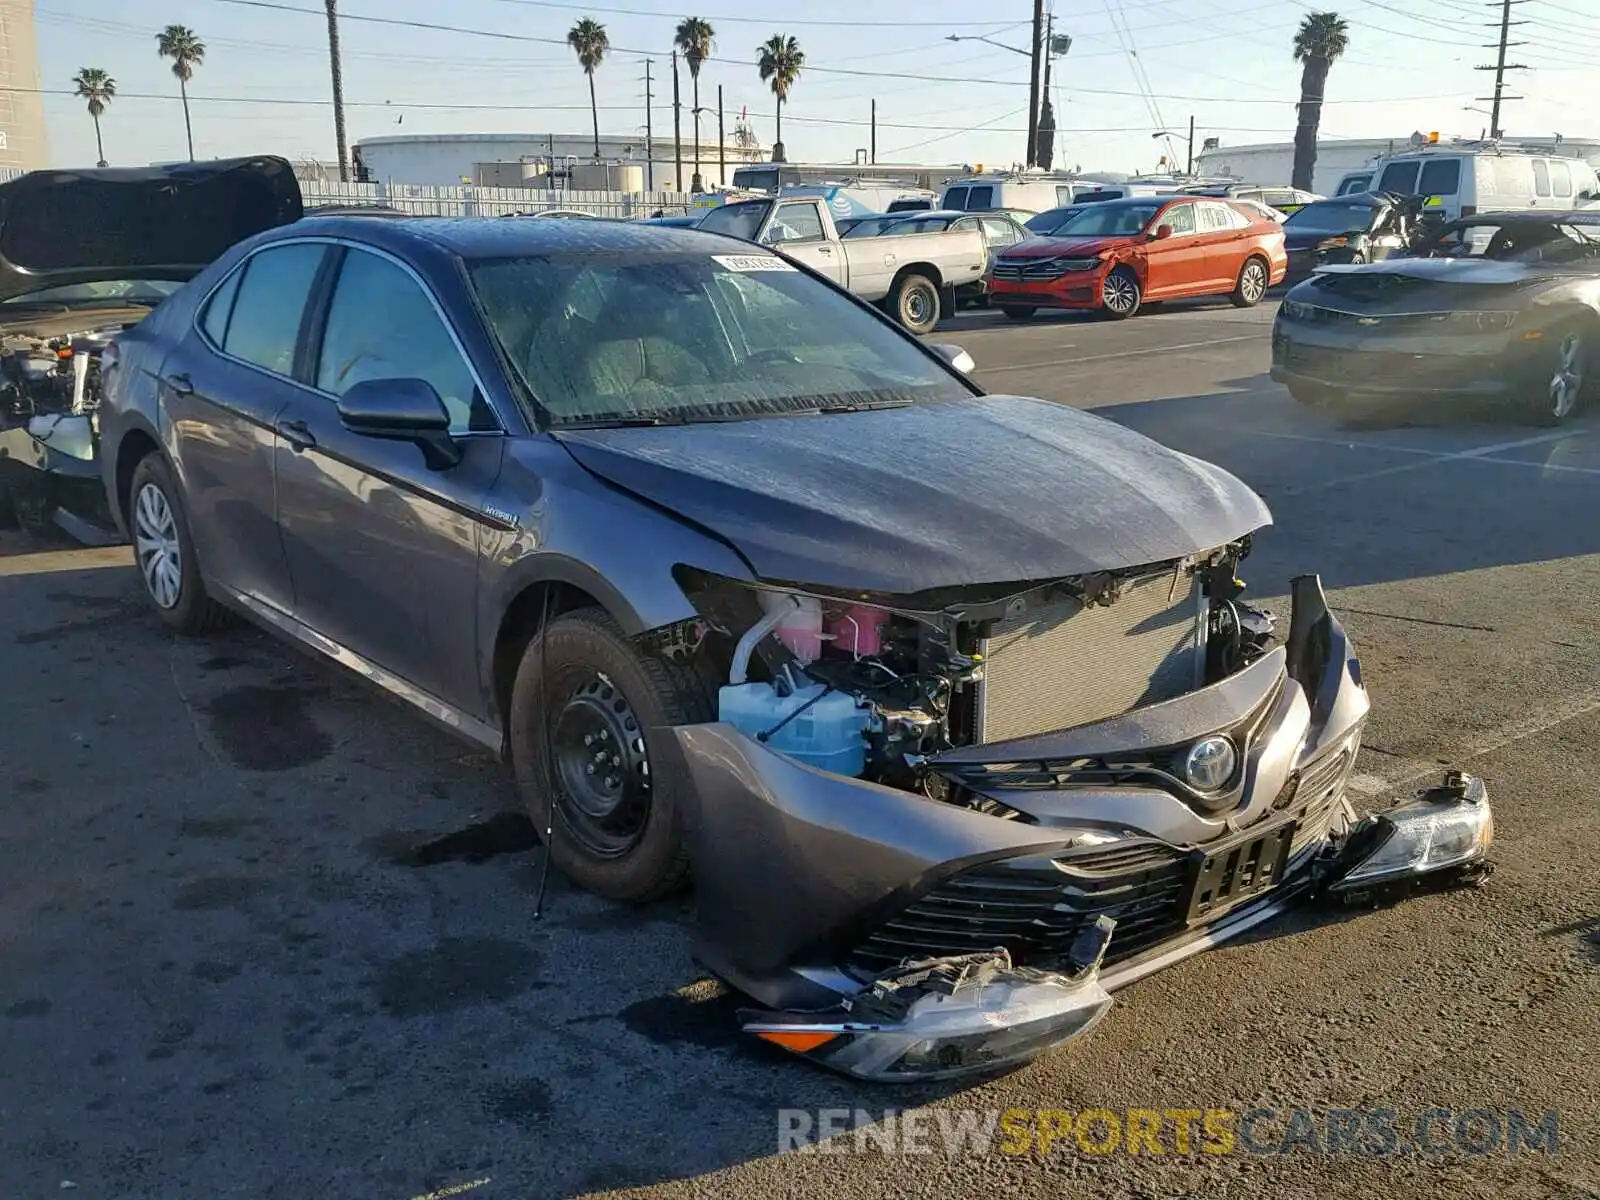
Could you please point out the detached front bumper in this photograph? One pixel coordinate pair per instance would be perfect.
(50, 473)
(818, 893)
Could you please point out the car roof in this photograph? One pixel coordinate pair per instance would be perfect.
(490, 237)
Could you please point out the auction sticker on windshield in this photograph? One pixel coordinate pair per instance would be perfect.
(752, 262)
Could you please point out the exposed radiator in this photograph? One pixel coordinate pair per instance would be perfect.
(1065, 665)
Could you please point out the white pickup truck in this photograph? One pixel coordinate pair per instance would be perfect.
(907, 275)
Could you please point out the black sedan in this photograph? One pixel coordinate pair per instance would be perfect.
(1368, 227)
(1503, 306)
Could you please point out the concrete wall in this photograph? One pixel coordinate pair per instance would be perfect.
(21, 105)
(443, 160)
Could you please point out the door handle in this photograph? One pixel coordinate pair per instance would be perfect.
(181, 384)
(824, 249)
(297, 435)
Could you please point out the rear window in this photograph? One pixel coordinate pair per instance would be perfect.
(1400, 178)
(955, 198)
(979, 199)
(1356, 183)
(1442, 177)
(265, 326)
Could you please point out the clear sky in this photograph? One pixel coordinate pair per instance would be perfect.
(1135, 66)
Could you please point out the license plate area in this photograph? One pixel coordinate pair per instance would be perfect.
(1245, 867)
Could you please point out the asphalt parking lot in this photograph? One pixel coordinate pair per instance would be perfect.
(267, 934)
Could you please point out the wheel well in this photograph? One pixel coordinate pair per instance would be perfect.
(518, 625)
(927, 270)
(136, 445)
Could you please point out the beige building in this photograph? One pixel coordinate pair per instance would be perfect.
(22, 140)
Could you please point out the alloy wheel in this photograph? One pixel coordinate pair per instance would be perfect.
(1566, 382)
(157, 547)
(1119, 293)
(602, 766)
(1254, 284)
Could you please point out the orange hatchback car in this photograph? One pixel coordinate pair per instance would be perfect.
(1118, 254)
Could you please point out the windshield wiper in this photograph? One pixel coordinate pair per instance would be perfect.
(827, 409)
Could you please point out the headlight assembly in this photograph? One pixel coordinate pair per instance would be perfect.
(1447, 827)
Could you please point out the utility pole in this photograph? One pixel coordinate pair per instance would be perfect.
(722, 144)
(1188, 161)
(1501, 66)
(649, 150)
(874, 142)
(1033, 84)
(677, 129)
(1044, 152)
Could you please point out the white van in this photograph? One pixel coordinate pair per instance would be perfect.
(1463, 182)
(1025, 193)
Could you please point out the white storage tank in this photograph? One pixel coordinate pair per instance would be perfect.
(606, 177)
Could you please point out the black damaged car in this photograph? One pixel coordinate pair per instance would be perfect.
(1502, 307)
(1369, 227)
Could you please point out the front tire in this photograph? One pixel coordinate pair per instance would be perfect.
(587, 712)
(1120, 294)
(164, 551)
(1251, 284)
(1565, 375)
(915, 303)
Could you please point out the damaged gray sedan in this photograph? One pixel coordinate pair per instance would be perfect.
(949, 703)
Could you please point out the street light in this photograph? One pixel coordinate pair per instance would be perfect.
(1188, 166)
(977, 38)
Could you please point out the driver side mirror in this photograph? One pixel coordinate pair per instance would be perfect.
(1163, 232)
(406, 410)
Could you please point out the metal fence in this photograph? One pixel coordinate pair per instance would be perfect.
(425, 201)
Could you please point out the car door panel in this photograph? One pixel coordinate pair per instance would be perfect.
(803, 237)
(382, 549)
(1227, 243)
(1175, 266)
(223, 387)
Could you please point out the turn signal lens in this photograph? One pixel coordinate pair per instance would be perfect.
(801, 1041)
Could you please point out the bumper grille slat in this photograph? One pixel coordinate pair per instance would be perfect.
(1064, 664)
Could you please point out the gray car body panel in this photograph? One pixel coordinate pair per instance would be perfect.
(896, 500)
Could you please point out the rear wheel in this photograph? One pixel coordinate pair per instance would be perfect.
(915, 303)
(164, 551)
(1564, 377)
(1120, 293)
(1251, 284)
(1018, 312)
(587, 710)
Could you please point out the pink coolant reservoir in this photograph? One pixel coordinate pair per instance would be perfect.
(858, 630)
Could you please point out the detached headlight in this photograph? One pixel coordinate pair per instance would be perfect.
(1446, 827)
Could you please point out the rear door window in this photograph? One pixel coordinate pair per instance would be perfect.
(1400, 177)
(265, 326)
(980, 199)
(220, 307)
(1064, 193)
(1441, 177)
(1541, 178)
(956, 199)
(1560, 178)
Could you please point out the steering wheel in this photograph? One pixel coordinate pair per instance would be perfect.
(774, 354)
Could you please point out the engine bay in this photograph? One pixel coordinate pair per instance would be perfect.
(874, 686)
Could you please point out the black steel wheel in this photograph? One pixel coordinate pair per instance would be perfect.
(588, 710)
(915, 303)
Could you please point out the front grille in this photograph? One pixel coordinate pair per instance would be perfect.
(1062, 664)
(1035, 907)
(1032, 271)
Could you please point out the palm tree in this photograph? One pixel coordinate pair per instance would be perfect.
(780, 59)
(98, 89)
(179, 43)
(338, 89)
(589, 42)
(694, 38)
(1321, 38)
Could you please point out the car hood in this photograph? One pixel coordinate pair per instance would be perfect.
(985, 489)
(170, 222)
(1058, 247)
(1447, 270)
